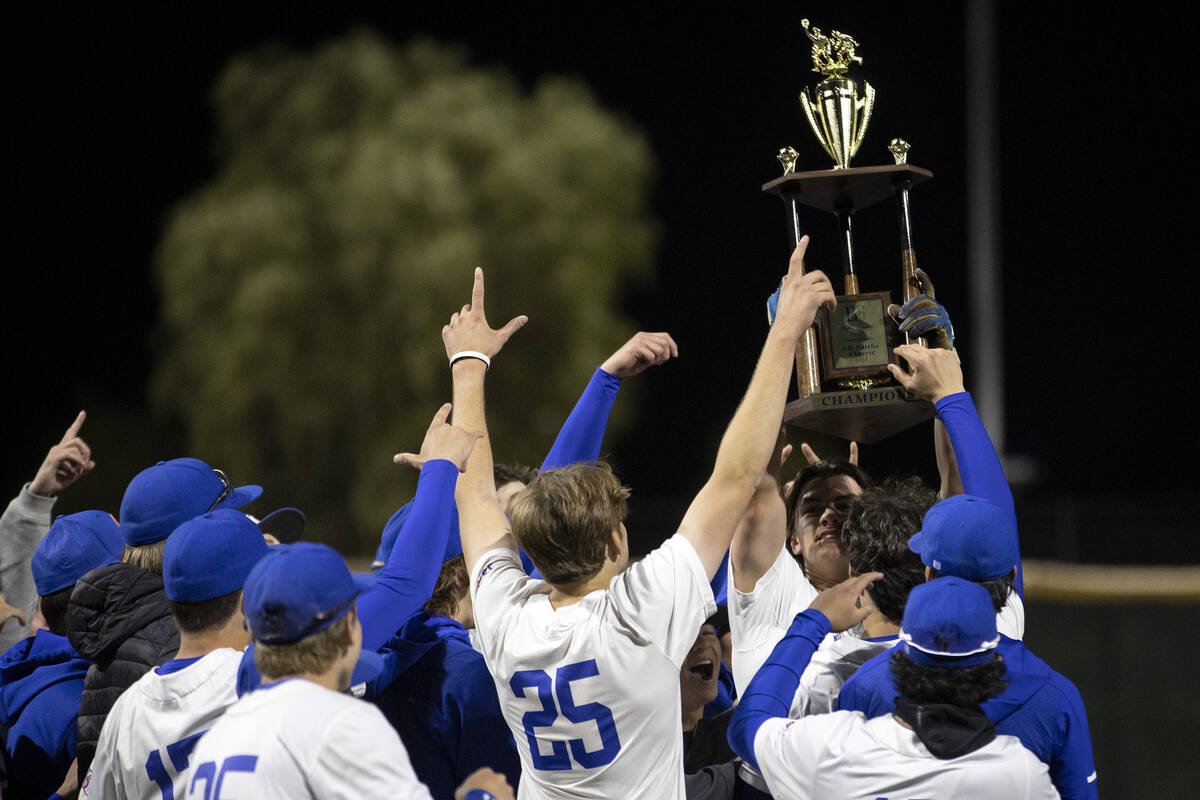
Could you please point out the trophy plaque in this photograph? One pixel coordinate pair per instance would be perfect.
(841, 363)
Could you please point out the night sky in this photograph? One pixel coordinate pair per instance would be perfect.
(109, 126)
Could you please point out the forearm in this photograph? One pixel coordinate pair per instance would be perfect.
(481, 521)
(581, 435)
(773, 688)
(978, 463)
(742, 458)
(760, 534)
(407, 580)
(746, 445)
(951, 479)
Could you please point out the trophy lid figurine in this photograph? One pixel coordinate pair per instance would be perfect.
(836, 111)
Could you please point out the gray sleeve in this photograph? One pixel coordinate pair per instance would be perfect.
(22, 527)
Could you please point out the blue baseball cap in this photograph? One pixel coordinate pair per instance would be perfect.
(163, 497)
(392, 529)
(75, 545)
(297, 590)
(949, 622)
(968, 537)
(211, 555)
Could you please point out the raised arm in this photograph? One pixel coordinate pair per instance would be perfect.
(936, 375)
(581, 435)
(481, 521)
(771, 691)
(746, 446)
(762, 531)
(26, 520)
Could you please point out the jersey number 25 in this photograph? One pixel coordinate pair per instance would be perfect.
(544, 718)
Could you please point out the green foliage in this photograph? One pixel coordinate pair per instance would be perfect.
(305, 287)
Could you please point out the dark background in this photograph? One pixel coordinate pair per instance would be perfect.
(112, 126)
(109, 125)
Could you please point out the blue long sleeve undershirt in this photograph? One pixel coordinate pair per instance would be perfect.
(582, 434)
(773, 688)
(406, 582)
(978, 464)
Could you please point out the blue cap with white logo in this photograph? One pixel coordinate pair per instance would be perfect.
(75, 545)
(968, 537)
(211, 555)
(163, 497)
(297, 590)
(949, 622)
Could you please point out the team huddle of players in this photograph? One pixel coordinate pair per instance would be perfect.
(507, 645)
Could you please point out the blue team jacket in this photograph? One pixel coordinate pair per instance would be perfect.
(1040, 707)
(41, 681)
(442, 701)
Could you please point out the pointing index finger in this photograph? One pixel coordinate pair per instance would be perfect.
(477, 291)
(73, 431)
(796, 265)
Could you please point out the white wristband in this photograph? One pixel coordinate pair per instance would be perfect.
(487, 362)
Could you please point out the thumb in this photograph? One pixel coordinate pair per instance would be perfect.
(515, 324)
(408, 459)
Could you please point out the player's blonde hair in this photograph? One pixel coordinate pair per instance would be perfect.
(563, 518)
(148, 557)
(312, 655)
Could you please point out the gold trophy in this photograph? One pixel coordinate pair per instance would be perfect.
(841, 365)
(837, 113)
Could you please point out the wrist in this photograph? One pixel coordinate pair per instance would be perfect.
(470, 355)
(942, 394)
(41, 488)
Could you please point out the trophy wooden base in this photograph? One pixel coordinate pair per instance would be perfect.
(863, 416)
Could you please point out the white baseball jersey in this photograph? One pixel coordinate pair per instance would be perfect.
(1011, 619)
(846, 756)
(294, 739)
(591, 690)
(758, 619)
(145, 746)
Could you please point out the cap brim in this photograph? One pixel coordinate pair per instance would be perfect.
(285, 524)
(914, 542)
(241, 496)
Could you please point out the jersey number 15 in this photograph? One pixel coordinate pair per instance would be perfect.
(588, 712)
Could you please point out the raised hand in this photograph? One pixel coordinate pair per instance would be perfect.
(933, 372)
(469, 330)
(488, 780)
(811, 456)
(442, 440)
(924, 316)
(642, 351)
(65, 463)
(846, 604)
(801, 294)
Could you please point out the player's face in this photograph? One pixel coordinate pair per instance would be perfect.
(818, 527)
(698, 677)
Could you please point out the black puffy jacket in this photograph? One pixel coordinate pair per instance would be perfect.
(118, 619)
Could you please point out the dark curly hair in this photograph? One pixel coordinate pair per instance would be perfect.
(451, 588)
(965, 687)
(999, 588)
(875, 539)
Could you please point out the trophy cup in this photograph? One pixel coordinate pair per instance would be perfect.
(841, 364)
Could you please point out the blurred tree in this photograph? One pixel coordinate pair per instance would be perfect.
(304, 288)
